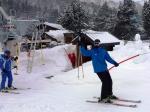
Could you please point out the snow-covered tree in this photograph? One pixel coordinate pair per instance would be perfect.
(75, 18)
(146, 17)
(105, 19)
(127, 25)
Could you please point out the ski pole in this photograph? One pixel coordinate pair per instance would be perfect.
(82, 66)
(78, 62)
(79, 56)
(125, 60)
(144, 53)
(130, 58)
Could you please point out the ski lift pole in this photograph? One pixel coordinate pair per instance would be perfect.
(42, 56)
(29, 54)
(34, 48)
(41, 51)
(130, 59)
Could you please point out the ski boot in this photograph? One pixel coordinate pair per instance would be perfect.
(4, 91)
(10, 88)
(113, 97)
(106, 100)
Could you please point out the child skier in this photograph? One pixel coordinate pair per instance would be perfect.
(5, 66)
(99, 57)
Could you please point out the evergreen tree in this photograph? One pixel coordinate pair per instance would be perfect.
(105, 19)
(74, 18)
(146, 17)
(127, 24)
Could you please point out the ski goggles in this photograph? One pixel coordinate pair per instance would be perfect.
(96, 43)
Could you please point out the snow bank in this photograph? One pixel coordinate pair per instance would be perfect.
(55, 59)
(131, 49)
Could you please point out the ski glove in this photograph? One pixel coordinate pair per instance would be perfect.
(116, 64)
(14, 58)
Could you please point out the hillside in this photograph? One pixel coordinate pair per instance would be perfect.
(49, 9)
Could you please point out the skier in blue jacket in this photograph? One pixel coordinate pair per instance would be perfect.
(5, 66)
(99, 57)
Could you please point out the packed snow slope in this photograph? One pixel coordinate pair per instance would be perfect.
(65, 93)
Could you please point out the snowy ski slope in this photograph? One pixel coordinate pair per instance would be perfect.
(65, 93)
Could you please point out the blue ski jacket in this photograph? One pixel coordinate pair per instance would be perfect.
(99, 57)
(5, 64)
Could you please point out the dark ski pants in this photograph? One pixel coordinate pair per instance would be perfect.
(6, 76)
(106, 84)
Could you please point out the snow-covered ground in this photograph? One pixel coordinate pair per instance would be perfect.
(65, 93)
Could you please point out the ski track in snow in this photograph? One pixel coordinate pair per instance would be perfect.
(65, 93)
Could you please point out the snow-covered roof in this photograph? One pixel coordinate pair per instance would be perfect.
(27, 20)
(54, 25)
(58, 35)
(104, 37)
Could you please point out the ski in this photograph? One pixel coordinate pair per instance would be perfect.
(10, 92)
(19, 89)
(114, 103)
(123, 100)
(14, 91)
